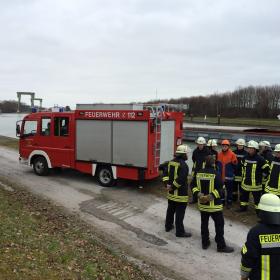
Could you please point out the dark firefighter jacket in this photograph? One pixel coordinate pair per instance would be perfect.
(267, 155)
(240, 154)
(253, 168)
(208, 181)
(214, 153)
(198, 159)
(176, 175)
(261, 253)
(273, 182)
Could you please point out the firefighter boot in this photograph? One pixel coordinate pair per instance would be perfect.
(185, 234)
(205, 245)
(226, 249)
(167, 229)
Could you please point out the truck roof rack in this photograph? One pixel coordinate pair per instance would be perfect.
(165, 107)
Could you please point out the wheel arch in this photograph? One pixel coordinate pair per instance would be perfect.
(96, 166)
(37, 153)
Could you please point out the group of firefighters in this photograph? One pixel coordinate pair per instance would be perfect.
(218, 179)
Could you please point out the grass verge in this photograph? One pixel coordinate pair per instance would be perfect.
(9, 142)
(39, 241)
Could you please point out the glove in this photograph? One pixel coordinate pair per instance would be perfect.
(205, 198)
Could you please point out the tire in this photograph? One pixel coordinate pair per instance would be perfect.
(105, 176)
(40, 166)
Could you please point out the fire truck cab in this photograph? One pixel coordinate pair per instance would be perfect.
(107, 141)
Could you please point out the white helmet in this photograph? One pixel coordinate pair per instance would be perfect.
(201, 140)
(182, 149)
(264, 144)
(240, 142)
(269, 209)
(212, 143)
(253, 144)
(277, 148)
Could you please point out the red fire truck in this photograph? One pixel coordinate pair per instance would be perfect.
(106, 141)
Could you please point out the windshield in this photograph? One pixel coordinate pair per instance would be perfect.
(30, 128)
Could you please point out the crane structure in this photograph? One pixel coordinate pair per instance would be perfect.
(32, 99)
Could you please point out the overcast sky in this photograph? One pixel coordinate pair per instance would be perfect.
(86, 51)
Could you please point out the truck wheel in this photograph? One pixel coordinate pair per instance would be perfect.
(40, 166)
(105, 176)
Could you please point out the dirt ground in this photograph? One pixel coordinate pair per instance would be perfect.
(131, 219)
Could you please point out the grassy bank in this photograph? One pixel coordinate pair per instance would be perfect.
(9, 142)
(38, 241)
(237, 121)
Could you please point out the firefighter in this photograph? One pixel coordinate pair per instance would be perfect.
(265, 150)
(175, 178)
(240, 153)
(266, 153)
(273, 182)
(208, 188)
(212, 144)
(227, 163)
(198, 157)
(253, 168)
(261, 252)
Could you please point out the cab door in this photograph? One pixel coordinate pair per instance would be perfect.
(63, 140)
(56, 139)
(29, 137)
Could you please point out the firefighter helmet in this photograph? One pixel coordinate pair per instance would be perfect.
(182, 149)
(253, 144)
(269, 209)
(277, 148)
(201, 140)
(212, 143)
(225, 142)
(264, 144)
(240, 142)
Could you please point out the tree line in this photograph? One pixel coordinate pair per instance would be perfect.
(11, 106)
(247, 102)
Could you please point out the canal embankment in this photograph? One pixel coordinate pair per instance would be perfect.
(232, 133)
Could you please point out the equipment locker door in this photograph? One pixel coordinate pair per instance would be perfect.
(167, 141)
(93, 140)
(130, 143)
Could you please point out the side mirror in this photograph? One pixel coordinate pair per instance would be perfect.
(18, 129)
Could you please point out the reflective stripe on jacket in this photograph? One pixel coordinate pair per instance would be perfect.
(253, 168)
(240, 154)
(208, 181)
(273, 182)
(267, 155)
(176, 175)
(261, 253)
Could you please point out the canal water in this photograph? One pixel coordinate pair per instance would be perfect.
(8, 124)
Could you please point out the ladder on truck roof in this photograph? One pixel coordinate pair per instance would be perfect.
(157, 114)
